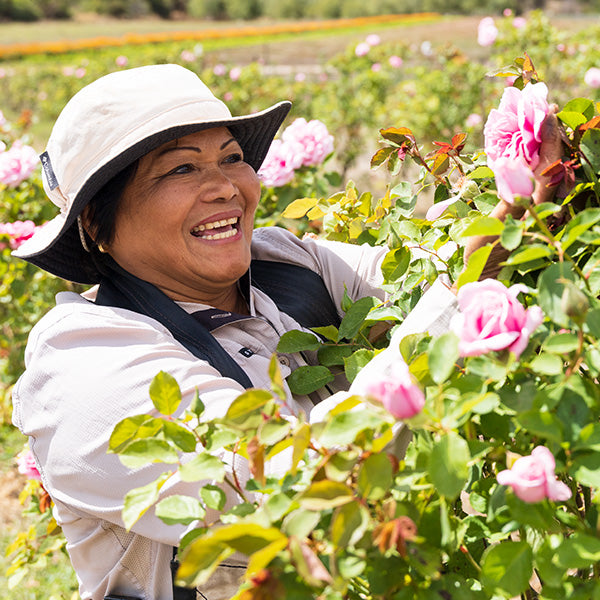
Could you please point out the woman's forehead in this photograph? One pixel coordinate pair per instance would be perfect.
(205, 137)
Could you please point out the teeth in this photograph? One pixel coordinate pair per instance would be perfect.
(215, 224)
(220, 236)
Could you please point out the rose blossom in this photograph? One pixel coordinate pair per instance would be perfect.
(399, 395)
(395, 61)
(26, 464)
(507, 12)
(487, 32)
(235, 73)
(19, 232)
(316, 141)
(17, 164)
(376, 67)
(187, 56)
(280, 163)
(532, 477)
(592, 77)
(373, 39)
(514, 128)
(362, 49)
(121, 60)
(220, 69)
(2, 119)
(80, 72)
(491, 318)
(513, 178)
(519, 22)
(474, 120)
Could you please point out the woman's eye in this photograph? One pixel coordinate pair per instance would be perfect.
(181, 169)
(233, 158)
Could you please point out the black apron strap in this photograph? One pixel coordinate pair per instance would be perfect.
(180, 593)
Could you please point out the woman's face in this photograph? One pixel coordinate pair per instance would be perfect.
(185, 219)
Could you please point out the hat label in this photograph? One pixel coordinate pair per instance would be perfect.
(49, 171)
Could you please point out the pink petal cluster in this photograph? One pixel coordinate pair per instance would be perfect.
(17, 164)
(280, 164)
(362, 49)
(513, 178)
(2, 119)
(19, 232)
(492, 318)
(26, 465)
(235, 73)
(400, 396)
(373, 39)
(519, 22)
(487, 32)
(395, 61)
(474, 120)
(316, 141)
(592, 77)
(532, 477)
(121, 60)
(513, 130)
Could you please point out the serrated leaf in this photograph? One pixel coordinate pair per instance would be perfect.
(213, 496)
(481, 173)
(395, 263)
(307, 379)
(139, 500)
(375, 477)
(325, 494)
(247, 403)
(442, 356)
(484, 226)
(132, 428)
(165, 393)
(507, 567)
(354, 318)
(381, 156)
(398, 135)
(184, 439)
(179, 509)
(143, 452)
(297, 341)
(201, 467)
(475, 265)
(448, 465)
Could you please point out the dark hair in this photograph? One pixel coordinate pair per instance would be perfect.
(103, 207)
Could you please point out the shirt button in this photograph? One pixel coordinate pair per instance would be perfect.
(284, 360)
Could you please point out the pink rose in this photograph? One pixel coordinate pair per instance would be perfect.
(532, 477)
(280, 164)
(519, 22)
(17, 164)
(220, 69)
(26, 464)
(373, 39)
(514, 128)
(19, 232)
(187, 56)
(121, 61)
(487, 32)
(376, 67)
(314, 138)
(437, 210)
(491, 318)
(400, 396)
(362, 49)
(235, 73)
(592, 77)
(513, 178)
(395, 61)
(474, 120)
(80, 72)
(507, 12)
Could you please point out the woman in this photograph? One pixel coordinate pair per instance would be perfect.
(157, 187)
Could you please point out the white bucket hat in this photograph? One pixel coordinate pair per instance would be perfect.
(111, 123)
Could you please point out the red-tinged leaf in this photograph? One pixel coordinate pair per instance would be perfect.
(256, 455)
(381, 156)
(398, 135)
(440, 164)
(593, 123)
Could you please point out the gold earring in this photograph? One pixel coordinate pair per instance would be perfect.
(102, 249)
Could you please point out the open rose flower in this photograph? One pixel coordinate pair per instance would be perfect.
(514, 129)
(532, 477)
(314, 138)
(17, 164)
(18, 232)
(280, 164)
(491, 318)
(487, 32)
(26, 464)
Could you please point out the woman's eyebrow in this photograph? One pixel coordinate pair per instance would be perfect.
(194, 148)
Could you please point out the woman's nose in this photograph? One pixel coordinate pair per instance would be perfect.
(218, 186)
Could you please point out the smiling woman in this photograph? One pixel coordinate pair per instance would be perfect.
(157, 188)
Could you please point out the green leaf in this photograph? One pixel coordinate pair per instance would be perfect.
(298, 208)
(571, 119)
(329, 332)
(507, 567)
(139, 500)
(300, 522)
(273, 430)
(197, 406)
(275, 377)
(381, 156)
(542, 423)
(551, 288)
(325, 494)
(203, 466)
(354, 363)
(261, 559)
(395, 263)
(475, 266)
(179, 509)
(213, 496)
(586, 469)
(442, 356)
(590, 146)
(184, 439)
(348, 524)
(579, 551)
(199, 561)
(375, 477)
(581, 105)
(512, 233)
(247, 538)
(484, 226)
(355, 316)
(142, 452)
(481, 173)
(307, 379)
(448, 465)
(297, 341)
(561, 343)
(580, 223)
(528, 254)
(330, 356)
(547, 364)
(133, 428)
(246, 404)
(343, 428)
(165, 393)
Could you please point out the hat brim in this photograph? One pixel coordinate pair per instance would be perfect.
(57, 247)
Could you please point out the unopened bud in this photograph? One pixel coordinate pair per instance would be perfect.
(574, 303)
(468, 189)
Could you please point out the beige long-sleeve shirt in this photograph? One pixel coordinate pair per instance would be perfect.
(90, 366)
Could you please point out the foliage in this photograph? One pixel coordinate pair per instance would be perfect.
(331, 511)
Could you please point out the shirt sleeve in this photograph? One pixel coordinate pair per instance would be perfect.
(87, 370)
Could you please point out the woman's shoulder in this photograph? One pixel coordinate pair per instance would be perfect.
(279, 244)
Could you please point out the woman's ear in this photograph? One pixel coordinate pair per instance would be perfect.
(86, 222)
